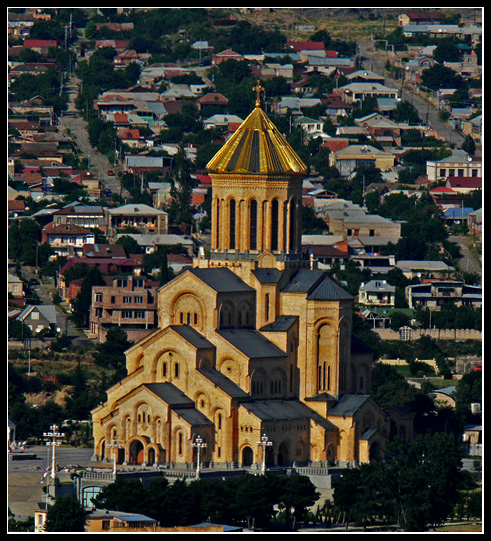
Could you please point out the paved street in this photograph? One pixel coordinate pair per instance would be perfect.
(44, 291)
(72, 124)
(375, 61)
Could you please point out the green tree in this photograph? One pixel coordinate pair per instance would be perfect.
(110, 354)
(181, 190)
(297, 494)
(66, 515)
(416, 484)
(82, 302)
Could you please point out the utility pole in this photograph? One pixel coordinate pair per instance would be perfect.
(199, 443)
(264, 443)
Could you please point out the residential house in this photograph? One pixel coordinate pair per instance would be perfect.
(131, 138)
(288, 102)
(15, 290)
(464, 185)
(221, 120)
(103, 521)
(420, 17)
(137, 164)
(86, 216)
(348, 159)
(141, 217)
(223, 56)
(365, 76)
(435, 294)
(473, 127)
(309, 125)
(354, 92)
(67, 239)
(129, 302)
(377, 293)
(474, 222)
(425, 271)
(212, 99)
(39, 317)
(150, 243)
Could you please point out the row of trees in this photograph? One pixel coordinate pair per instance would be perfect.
(248, 500)
(417, 486)
(245, 500)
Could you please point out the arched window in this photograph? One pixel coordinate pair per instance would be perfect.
(274, 225)
(266, 307)
(217, 232)
(232, 225)
(292, 225)
(253, 225)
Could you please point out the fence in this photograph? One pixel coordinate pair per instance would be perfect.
(438, 334)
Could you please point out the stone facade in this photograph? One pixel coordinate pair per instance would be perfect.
(253, 341)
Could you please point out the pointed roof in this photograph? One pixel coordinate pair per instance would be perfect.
(257, 147)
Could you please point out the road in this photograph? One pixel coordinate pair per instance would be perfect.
(375, 61)
(44, 291)
(469, 262)
(74, 126)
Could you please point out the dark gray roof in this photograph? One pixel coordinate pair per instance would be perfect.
(317, 284)
(268, 276)
(169, 393)
(192, 336)
(251, 342)
(303, 280)
(328, 290)
(192, 416)
(221, 279)
(281, 324)
(222, 382)
(284, 410)
(349, 404)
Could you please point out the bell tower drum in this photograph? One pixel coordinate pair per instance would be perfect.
(257, 192)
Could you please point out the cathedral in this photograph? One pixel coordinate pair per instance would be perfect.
(253, 341)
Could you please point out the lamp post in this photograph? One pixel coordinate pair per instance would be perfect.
(199, 444)
(115, 445)
(264, 443)
(54, 434)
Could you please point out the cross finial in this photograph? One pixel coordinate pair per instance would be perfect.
(258, 89)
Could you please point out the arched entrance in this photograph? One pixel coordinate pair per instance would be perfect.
(283, 454)
(136, 452)
(247, 456)
(374, 453)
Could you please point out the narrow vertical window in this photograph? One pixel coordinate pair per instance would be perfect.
(253, 226)
(274, 225)
(232, 225)
(292, 225)
(217, 232)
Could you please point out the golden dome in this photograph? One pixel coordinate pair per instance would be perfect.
(258, 148)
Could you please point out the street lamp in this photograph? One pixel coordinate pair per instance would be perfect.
(199, 444)
(53, 443)
(264, 443)
(115, 445)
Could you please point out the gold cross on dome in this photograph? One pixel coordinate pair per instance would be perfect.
(258, 89)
